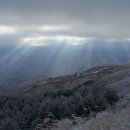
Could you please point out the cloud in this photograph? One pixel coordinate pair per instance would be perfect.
(7, 30)
(53, 28)
(73, 18)
(46, 40)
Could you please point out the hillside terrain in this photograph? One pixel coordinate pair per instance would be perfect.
(115, 77)
(45, 102)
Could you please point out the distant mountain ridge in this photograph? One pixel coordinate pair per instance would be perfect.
(116, 77)
(21, 64)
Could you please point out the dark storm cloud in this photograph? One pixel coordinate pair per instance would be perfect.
(82, 18)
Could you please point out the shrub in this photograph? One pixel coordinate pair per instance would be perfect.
(25, 112)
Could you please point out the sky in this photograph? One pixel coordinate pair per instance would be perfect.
(38, 22)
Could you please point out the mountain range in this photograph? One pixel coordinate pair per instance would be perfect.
(22, 64)
(116, 77)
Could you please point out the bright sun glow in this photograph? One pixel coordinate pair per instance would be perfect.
(7, 30)
(54, 28)
(45, 40)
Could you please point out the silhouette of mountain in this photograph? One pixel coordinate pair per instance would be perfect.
(116, 77)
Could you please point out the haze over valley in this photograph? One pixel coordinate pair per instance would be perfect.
(64, 65)
(19, 65)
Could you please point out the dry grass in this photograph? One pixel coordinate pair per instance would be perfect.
(104, 121)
